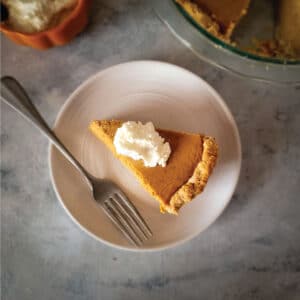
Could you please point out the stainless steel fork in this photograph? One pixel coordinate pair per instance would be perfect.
(106, 193)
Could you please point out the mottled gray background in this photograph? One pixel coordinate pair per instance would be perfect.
(251, 252)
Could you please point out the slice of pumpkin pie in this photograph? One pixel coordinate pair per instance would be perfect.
(172, 166)
(218, 17)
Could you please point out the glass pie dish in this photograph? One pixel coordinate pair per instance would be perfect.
(227, 56)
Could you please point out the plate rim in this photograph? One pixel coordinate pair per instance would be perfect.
(217, 97)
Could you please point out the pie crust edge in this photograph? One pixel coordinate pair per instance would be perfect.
(206, 21)
(196, 184)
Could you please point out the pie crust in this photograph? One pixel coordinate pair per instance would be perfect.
(198, 181)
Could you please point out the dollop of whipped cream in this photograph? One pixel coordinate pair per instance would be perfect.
(142, 141)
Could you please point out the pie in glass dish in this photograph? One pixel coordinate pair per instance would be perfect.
(221, 17)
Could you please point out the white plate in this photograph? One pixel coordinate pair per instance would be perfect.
(170, 97)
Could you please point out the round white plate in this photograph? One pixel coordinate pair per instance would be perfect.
(171, 98)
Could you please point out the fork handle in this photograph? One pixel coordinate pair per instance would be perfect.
(13, 94)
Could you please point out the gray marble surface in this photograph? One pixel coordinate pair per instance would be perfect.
(251, 252)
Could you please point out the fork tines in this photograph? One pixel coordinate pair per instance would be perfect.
(126, 217)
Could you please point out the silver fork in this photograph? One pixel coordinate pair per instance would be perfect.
(106, 193)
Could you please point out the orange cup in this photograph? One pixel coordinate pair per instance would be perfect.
(59, 35)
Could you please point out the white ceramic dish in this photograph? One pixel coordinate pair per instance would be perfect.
(170, 97)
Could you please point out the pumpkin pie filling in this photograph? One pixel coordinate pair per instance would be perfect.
(217, 17)
(192, 159)
(226, 12)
